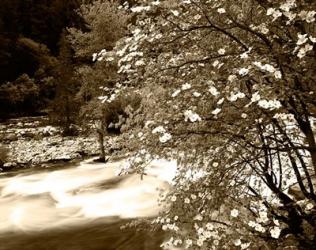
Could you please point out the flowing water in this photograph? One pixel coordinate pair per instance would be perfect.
(80, 207)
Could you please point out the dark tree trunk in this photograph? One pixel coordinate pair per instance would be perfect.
(101, 132)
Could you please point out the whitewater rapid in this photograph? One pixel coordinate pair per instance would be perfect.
(79, 194)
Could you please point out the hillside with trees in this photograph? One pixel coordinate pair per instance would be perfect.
(30, 34)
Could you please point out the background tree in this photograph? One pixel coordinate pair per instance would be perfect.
(19, 96)
(228, 90)
(64, 110)
(105, 24)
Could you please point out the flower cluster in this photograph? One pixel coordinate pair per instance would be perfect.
(164, 136)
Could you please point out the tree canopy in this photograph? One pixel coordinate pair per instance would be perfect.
(229, 92)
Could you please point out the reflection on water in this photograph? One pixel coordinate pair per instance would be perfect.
(75, 201)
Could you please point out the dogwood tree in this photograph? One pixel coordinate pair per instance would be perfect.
(229, 92)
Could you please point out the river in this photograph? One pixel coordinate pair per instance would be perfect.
(81, 206)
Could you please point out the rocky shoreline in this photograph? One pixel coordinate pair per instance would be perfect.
(31, 142)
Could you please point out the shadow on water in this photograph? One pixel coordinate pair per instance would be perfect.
(42, 168)
(94, 236)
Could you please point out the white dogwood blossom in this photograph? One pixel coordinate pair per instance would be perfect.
(275, 232)
(165, 137)
(234, 213)
(191, 116)
(243, 71)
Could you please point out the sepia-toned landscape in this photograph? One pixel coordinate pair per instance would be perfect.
(157, 124)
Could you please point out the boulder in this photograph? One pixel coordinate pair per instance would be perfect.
(29, 135)
(11, 137)
(9, 164)
(49, 131)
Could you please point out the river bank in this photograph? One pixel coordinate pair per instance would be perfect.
(31, 142)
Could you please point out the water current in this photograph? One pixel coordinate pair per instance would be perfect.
(80, 207)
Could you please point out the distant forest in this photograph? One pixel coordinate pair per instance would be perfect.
(30, 36)
(27, 23)
(30, 32)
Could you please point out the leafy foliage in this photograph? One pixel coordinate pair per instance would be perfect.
(105, 24)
